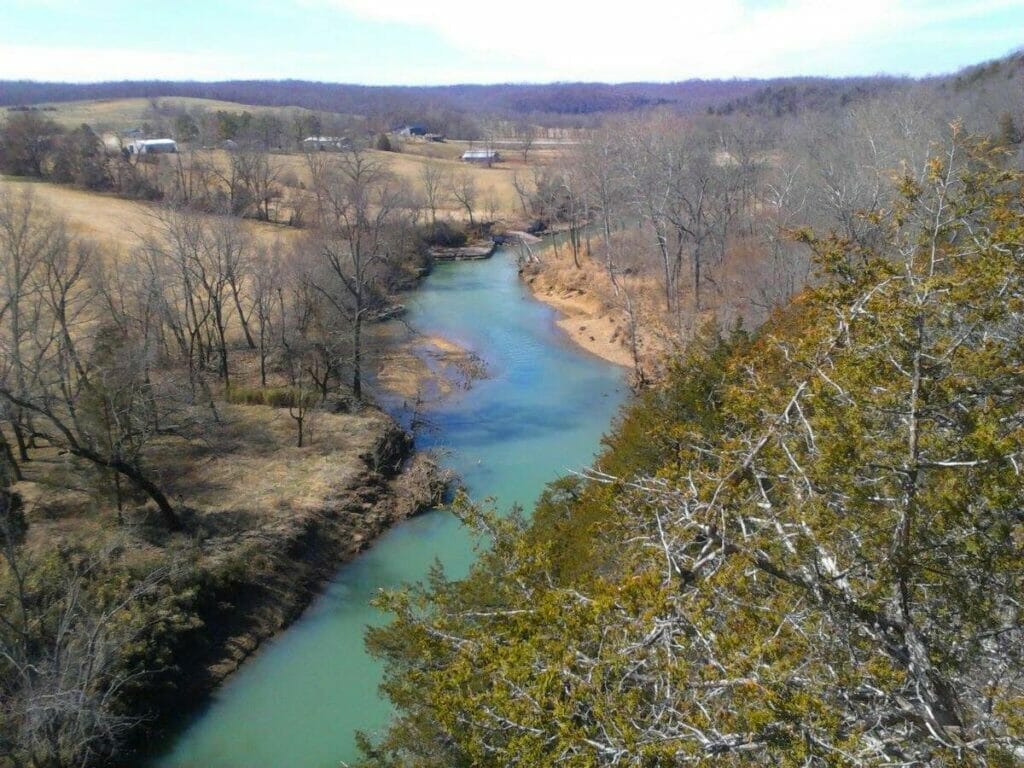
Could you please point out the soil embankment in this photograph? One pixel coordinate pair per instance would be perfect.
(624, 322)
(266, 522)
(292, 556)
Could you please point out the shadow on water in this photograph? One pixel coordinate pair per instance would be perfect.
(540, 413)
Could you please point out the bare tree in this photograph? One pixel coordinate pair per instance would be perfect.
(436, 183)
(464, 191)
(523, 192)
(357, 199)
(599, 160)
(90, 399)
(527, 135)
(28, 239)
(61, 652)
(266, 280)
(258, 174)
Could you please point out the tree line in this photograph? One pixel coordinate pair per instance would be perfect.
(704, 211)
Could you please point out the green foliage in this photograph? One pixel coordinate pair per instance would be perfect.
(233, 125)
(1009, 132)
(185, 128)
(88, 639)
(804, 549)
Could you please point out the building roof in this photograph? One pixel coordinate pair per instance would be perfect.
(479, 154)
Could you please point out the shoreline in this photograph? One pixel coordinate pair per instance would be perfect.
(296, 560)
(427, 369)
(397, 483)
(583, 317)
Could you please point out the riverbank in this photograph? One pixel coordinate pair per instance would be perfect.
(539, 412)
(598, 316)
(266, 525)
(339, 499)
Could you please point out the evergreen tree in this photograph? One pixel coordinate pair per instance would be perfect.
(1009, 133)
(817, 559)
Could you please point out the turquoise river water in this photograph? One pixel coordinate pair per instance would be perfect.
(539, 414)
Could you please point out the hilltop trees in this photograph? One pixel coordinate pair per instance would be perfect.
(26, 141)
(80, 159)
(804, 550)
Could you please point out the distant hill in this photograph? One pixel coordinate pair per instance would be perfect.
(509, 100)
(1009, 67)
(778, 98)
(550, 104)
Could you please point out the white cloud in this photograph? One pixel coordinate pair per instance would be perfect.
(661, 39)
(546, 40)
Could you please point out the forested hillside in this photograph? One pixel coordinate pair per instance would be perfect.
(804, 548)
(550, 103)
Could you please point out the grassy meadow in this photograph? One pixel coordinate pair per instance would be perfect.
(125, 114)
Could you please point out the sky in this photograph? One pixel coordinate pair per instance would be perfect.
(395, 42)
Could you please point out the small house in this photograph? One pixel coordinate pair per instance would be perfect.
(481, 156)
(413, 129)
(152, 147)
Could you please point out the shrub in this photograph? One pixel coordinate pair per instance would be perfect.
(444, 234)
(275, 397)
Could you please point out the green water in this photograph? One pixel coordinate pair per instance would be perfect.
(539, 414)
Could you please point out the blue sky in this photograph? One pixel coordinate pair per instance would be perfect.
(450, 41)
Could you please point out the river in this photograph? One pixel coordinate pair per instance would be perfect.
(539, 414)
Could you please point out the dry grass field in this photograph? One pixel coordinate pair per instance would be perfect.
(110, 220)
(494, 185)
(123, 114)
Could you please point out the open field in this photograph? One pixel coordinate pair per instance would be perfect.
(495, 185)
(123, 114)
(111, 220)
(496, 195)
(495, 182)
(108, 218)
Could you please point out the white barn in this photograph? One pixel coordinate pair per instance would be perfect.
(152, 146)
(481, 156)
(325, 143)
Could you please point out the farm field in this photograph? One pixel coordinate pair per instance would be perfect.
(124, 114)
(111, 220)
(495, 184)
